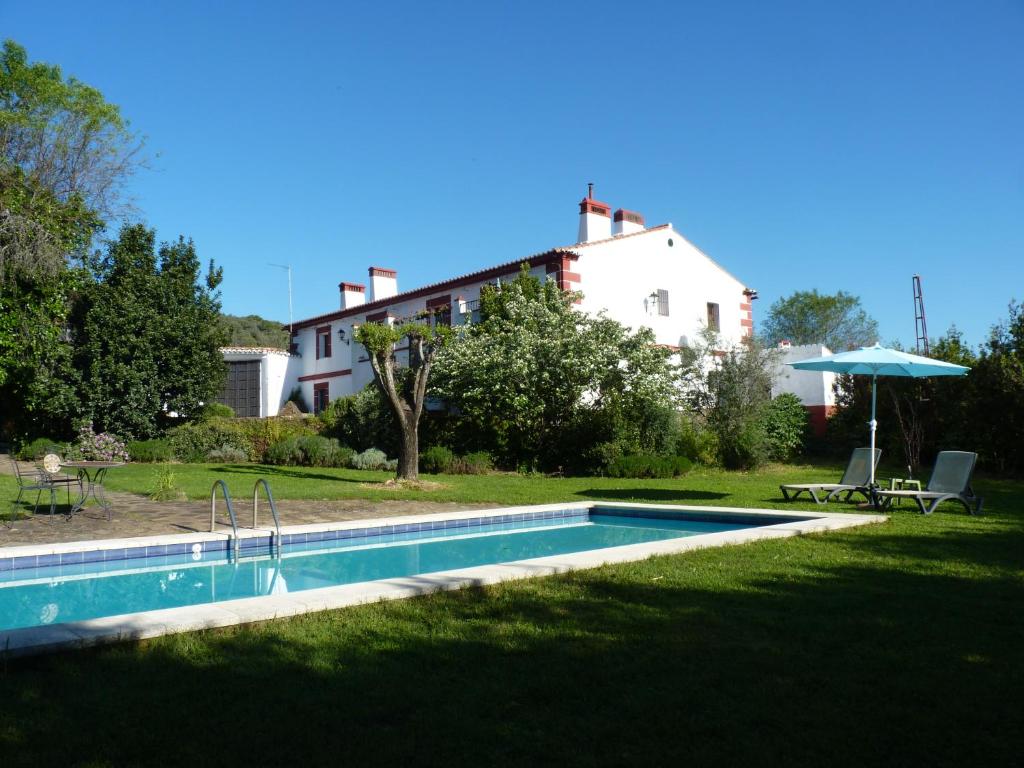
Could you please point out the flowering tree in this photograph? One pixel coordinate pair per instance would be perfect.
(545, 385)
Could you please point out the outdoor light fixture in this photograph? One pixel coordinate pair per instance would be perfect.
(341, 335)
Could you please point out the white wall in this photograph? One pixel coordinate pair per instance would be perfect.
(620, 276)
(812, 387)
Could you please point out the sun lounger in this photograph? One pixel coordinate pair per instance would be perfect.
(855, 480)
(950, 481)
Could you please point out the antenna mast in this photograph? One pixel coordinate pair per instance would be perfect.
(920, 324)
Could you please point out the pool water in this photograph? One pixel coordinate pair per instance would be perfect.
(56, 594)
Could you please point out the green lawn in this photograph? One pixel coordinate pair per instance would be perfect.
(900, 643)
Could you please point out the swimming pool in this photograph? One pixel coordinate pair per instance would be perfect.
(96, 591)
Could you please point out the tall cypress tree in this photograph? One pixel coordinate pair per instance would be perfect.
(148, 336)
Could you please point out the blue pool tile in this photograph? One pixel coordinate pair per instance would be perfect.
(157, 550)
(26, 561)
(93, 556)
(42, 561)
(315, 536)
(6, 564)
(178, 549)
(68, 558)
(132, 553)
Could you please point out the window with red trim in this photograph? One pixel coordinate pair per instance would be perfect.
(439, 311)
(323, 342)
(321, 396)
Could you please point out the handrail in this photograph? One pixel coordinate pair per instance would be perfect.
(273, 509)
(231, 512)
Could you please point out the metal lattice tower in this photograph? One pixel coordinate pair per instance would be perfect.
(920, 324)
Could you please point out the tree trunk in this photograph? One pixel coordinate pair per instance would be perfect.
(409, 452)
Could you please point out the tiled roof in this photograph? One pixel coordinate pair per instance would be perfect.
(482, 274)
(253, 351)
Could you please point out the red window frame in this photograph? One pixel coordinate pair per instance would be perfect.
(321, 396)
(323, 330)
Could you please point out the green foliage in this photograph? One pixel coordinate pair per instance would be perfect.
(649, 466)
(62, 133)
(254, 331)
(733, 395)
(371, 458)
(807, 317)
(227, 454)
(149, 338)
(404, 390)
(362, 420)
(785, 423)
(474, 463)
(696, 441)
(41, 446)
(64, 156)
(150, 451)
(309, 451)
(217, 411)
(193, 441)
(437, 460)
(165, 486)
(540, 385)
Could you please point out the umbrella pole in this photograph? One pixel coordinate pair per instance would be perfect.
(874, 425)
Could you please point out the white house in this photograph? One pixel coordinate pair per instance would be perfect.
(259, 379)
(642, 276)
(814, 388)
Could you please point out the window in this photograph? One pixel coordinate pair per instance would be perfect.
(714, 320)
(662, 302)
(321, 396)
(439, 311)
(323, 342)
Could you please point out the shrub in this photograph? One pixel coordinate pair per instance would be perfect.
(98, 447)
(476, 463)
(437, 459)
(284, 453)
(227, 454)
(696, 441)
(371, 458)
(193, 441)
(361, 420)
(309, 451)
(785, 422)
(217, 411)
(150, 451)
(645, 465)
(39, 448)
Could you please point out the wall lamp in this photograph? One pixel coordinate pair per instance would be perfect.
(341, 336)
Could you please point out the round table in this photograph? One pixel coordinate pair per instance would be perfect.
(91, 474)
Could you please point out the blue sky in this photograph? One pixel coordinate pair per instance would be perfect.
(801, 145)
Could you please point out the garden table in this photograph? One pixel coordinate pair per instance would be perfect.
(91, 474)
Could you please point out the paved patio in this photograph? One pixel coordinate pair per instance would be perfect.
(138, 516)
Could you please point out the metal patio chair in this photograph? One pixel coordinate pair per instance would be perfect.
(39, 478)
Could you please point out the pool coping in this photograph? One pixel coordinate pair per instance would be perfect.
(149, 624)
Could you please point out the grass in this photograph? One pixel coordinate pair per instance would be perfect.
(899, 643)
(700, 486)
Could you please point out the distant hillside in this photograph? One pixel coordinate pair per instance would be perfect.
(255, 331)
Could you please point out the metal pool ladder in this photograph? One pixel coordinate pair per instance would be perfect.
(231, 512)
(278, 541)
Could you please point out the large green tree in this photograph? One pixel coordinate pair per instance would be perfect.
(148, 335)
(543, 385)
(807, 317)
(65, 155)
